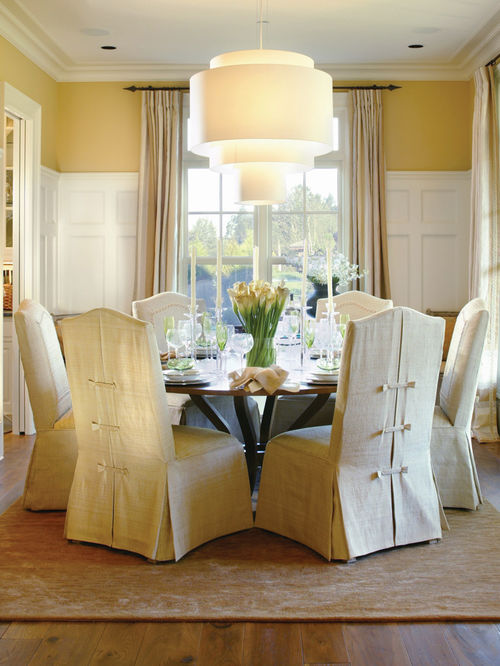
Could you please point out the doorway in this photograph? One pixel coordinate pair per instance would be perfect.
(11, 179)
(22, 122)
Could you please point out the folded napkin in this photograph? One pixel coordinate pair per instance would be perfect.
(255, 379)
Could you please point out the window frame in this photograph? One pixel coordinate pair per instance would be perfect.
(263, 214)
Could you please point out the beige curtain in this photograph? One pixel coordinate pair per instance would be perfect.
(159, 193)
(484, 258)
(369, 230)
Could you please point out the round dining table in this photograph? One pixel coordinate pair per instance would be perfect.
(254, 442)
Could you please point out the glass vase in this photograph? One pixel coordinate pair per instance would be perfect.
(262, 354)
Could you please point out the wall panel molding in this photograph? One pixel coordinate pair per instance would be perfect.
(92, 242)
(97, 231)
(428, 221)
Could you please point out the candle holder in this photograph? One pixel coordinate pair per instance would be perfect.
(193, 315)
(303, 317)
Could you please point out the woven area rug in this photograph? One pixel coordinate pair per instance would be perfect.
(253, 575)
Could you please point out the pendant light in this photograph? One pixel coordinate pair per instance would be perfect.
(261, 114)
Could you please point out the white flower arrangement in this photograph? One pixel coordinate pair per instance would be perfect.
(342, 270)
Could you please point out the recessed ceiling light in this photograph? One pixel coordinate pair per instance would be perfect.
(94, 32)
(415, 46)
(108, 48)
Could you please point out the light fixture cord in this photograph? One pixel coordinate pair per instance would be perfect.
(261, 20)
(260, 23)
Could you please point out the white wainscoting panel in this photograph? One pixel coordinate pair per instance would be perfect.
(98, 213)
(49, 255)
(428, 220)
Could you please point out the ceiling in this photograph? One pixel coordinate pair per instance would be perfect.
(171, 39)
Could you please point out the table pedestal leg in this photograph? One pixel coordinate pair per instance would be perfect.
(267, 419)
(303, 419)
(249, 435)
(212, 414)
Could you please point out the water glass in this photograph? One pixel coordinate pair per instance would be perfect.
(241, 343)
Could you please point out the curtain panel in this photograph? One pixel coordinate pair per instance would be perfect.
(368, 233)
(160, 186)
(484, 248)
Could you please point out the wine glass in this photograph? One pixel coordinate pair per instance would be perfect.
(221, 336)
(168, 323)
(174, 338)
(293, 323)
(309, 334)
(343, 321)
(242, 343)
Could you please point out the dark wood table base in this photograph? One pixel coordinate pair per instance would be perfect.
(254, 442)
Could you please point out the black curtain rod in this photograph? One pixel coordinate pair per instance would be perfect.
(492, 62)
(186, 89)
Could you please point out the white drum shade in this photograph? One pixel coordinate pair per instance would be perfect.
(261, 114)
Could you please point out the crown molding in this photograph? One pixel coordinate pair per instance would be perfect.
(483, 47)
(394, 72)
(20, 29)
(131, 71)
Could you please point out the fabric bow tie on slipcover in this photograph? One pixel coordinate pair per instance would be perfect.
(255, 379)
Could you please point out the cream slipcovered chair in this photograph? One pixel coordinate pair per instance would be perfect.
(365, 483)
(167, 304)
(52, 464)
(141, 484)
(182, 410)
(356, 304)
(451, 446)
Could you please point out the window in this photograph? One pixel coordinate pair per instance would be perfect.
(315, 206)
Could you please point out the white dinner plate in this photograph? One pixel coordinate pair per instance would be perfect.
(187, 374)
(324, 375)
(329, 379)
(187, 381)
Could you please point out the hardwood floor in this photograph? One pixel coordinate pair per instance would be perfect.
(245, 643)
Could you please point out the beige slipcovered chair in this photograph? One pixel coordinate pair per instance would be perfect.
(451, 446)
(182, 409)
(365, 483)
(356, 304)
(166, 304)
(52, 463)
(140, 484)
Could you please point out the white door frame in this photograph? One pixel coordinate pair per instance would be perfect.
(28, 251)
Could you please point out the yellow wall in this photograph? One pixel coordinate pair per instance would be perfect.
(22, 74)
(99, 127)
(96, 126)
(428, 126)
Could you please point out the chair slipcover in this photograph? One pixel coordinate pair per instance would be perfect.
(167, 304)
(182, 410)
(53, 458)
(356, 304)
(139, 484)
(451, 446)
(365, 483)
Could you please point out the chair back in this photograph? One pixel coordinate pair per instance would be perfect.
(166, 304)
(461, 372)
(119, 400)
(382, 424)
(356, 304)
(43, 364)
